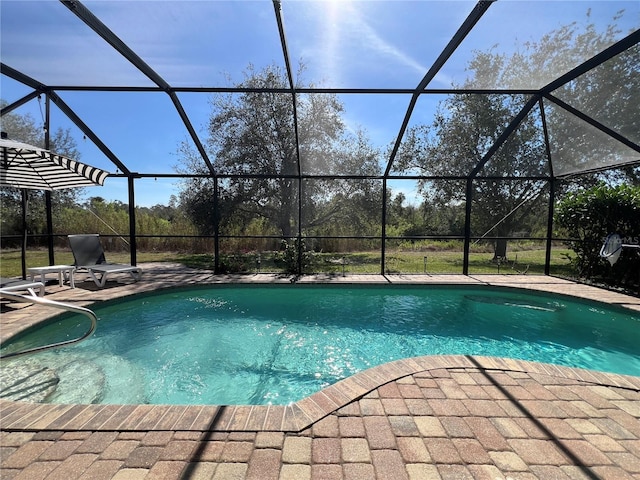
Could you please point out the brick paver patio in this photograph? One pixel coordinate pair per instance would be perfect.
(442, 417)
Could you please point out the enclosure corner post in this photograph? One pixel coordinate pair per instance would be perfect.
(552, 195)
(467, 226)
(132, 221)
(216, 227)
(300, 246)
(552, 189)
(383, 235)
(47, 194)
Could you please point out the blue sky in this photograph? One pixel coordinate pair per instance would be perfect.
(366, 44)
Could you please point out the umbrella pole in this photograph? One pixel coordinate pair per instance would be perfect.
(25, 200)
(47, 196)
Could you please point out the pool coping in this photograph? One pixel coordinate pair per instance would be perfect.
(25, 416)
(296, 417)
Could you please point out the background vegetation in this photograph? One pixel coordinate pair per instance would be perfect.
(308, 195)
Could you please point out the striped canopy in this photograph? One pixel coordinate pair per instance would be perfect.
(34, 168)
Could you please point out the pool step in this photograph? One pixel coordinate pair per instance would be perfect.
(29, 381)
(52, 378)
(81, 381)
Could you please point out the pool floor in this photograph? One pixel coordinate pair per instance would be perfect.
(276, 344)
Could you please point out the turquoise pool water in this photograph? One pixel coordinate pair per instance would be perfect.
(277, 344)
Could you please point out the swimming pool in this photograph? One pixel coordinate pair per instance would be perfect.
(241, 344)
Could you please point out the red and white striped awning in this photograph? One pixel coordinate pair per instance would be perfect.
(34, 168)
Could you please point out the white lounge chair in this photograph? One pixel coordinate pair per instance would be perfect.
(19, 285)
(88, 255)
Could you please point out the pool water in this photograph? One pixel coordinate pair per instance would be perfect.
(239, 344)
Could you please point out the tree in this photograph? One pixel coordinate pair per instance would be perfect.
(467, 125)
(345, 206)
(252, 139)
(608, 93)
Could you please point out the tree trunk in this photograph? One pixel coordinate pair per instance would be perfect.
(287, 208)
(500, 251)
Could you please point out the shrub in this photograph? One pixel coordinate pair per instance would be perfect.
(589, 216)
(290, 251)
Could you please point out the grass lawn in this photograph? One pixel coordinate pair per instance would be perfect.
(10, 260)
(436, 262)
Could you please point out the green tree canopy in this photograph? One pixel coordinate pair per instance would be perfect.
(466, 127)
(253, 134)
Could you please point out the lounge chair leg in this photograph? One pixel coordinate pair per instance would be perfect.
(100, 282)
(33, 293)
(136, 274)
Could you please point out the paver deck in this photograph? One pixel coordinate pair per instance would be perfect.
(436, 417)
